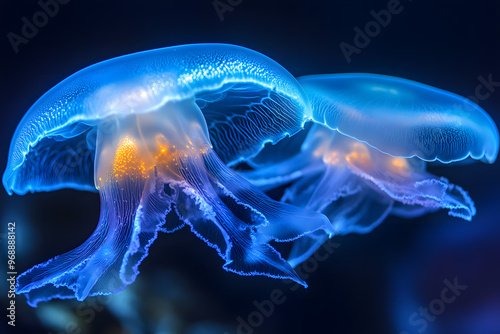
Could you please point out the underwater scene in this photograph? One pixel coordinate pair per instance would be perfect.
(250, 167)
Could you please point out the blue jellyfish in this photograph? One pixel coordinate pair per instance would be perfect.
(365, 156)
(154, 132)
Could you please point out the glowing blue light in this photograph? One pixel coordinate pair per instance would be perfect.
(367, 159)
(153, 132)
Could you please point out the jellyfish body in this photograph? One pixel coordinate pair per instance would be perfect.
(154, 132)
(366, 159)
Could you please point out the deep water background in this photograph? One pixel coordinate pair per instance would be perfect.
(371, 283)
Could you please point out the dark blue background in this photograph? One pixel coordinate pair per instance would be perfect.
(371, 281)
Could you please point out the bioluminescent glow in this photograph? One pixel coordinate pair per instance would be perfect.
(403, 118)
(154, 132)
(368, 159)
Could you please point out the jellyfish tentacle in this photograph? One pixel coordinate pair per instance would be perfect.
(411, 185)
(107, 262)
(120, 221)
(305, 247)
(360, 212)
(284, 222)
(281, 173)
(149, 220)
(351, 206)
(236, 218)
(56, 278)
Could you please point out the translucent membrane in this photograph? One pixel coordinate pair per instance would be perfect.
(403, 118)
(147, 165)
(247, 100)
(356, 186)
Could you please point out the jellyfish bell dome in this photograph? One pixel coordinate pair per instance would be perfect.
(237, 90)
(154, 132)
(403, 118)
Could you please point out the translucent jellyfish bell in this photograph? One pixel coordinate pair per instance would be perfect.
(360, 166)
(403, 118)
(153, 132)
